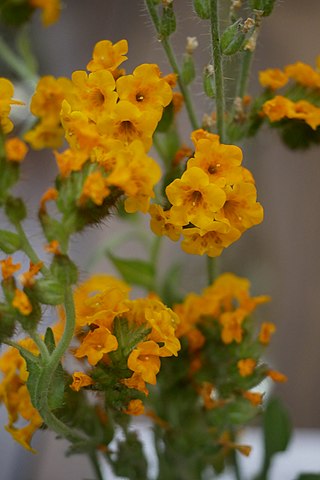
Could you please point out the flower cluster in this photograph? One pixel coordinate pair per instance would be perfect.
(15, 395)
(212, 203)
(223, 347)
(121, 335)
(108, 119)
(299, 106)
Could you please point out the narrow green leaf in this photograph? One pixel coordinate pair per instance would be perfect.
(309, 476)
(136, 272)
(9, 242)
(277, 428)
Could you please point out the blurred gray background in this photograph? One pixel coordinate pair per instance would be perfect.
(280, 257)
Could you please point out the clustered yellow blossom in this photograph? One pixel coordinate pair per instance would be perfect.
(15, 395)
(6, 100)
(102, 300)
(212, 203)
(299, 104)
(108, 118)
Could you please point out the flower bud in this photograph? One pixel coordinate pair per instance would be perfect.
(208, 84)
(15, 209)
(264, 6)
(168, 21)
(188, 71)
(233, 38)
(48, 291)
(64, 270)
(202, 8)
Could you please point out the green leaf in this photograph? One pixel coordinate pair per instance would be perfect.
(128, 336)
(277, 428)
(130, 461)
(136, 272)
(9, 242)
(309, 476)
(170, 292)
(64, 270)
(57, 385)
(34, 370)
(233, 38)
(277, 433)
(49, 291)
(166, 119)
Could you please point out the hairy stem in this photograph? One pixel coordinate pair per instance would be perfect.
(28, 249)
(16, 63)
(218, 70)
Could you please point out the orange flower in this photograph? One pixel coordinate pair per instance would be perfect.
(95, 344)
(277, 376)
(267, 329)
(8, 268)
(22, 303)
(246, 366)
(95, 188)
(27, 278)
(273, 78)
(144, 359)
(80, 380)
(255, 398)
(232, 326)
(50, 194)
(15, 149)
(107, 56)
(135, 407)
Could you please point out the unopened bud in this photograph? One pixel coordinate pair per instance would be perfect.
(192, 44)
(248, 24)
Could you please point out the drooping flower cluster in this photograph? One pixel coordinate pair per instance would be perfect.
(299, 106)
(15, 395)
(108, 119)
(212, 203)
(124, 336)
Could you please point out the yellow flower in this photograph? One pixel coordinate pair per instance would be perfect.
(267, 329)
(21, 302)
(304, 110)
(277, 376)
(95, 92)
(95, 344)
(210, 241)
(80, 132)
(70, 161)
(136, 382)
(220, 162)
(53, 247)
(99, 300)
(127, 123)
(303, 74)
(144, 359)
(145, 89)
(277, 108)
(51, 10)
(201, 134)
(49, 94)
(273, 78)
(8, 268)
(16, 149)
(136, 174)
(195, 200)
(255, 398)
(135, 407)
(107, 56)
(6, 100)
(231, 323)
(95, 188)
(27, 278)
(241, 208)
(161, 225)
(246, 366)
(80, 380)
(45, 135)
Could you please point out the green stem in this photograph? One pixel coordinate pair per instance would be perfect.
(183, 88)
(218, 70)
(96, 465)
(211, 269)
(22, 350)
(47, 373)
(237, 471)
(40, 344)
(174, 64)
(245, 67)
(15, 62)
(28, 249)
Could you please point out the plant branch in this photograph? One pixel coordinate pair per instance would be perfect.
(218, 70)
